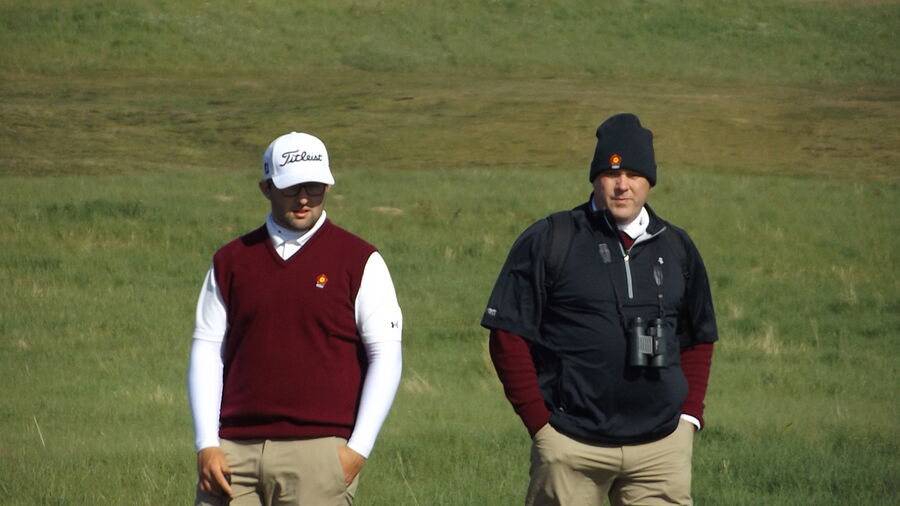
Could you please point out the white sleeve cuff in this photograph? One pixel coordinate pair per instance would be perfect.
(693, 420)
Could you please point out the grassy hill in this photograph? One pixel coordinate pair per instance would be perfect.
(129, 147)
(767, 86)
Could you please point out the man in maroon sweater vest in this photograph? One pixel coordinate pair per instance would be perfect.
(602, 331)
(296, 347)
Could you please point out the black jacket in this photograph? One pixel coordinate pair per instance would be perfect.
(578, 327)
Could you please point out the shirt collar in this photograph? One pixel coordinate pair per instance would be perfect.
(281, 235)
(634, 229)
(638, 226)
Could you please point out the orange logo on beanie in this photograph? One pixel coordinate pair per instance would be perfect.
(615, 161)
(321, 281)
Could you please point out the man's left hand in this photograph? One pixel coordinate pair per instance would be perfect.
(351, 462)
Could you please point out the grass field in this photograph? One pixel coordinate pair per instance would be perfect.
(128, 153)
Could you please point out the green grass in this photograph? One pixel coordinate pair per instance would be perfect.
(129, 145)
(124, 123)
(96, 331)
(770, 40)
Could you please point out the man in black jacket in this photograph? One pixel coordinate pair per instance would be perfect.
(604, 349)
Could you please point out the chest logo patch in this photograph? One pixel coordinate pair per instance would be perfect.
(604, 253)
(321, 281)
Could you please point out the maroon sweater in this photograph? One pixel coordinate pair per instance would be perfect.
(294, 361)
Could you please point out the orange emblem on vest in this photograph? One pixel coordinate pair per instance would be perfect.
(321, 281)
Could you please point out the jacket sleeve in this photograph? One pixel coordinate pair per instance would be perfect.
(515, 367)
(517, 300)
(700, 317)
(701, 331)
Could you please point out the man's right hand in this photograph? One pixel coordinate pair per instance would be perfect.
(212, 469)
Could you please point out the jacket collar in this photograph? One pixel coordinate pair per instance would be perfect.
(603, 220)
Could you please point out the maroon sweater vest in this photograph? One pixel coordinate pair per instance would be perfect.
(294, 361)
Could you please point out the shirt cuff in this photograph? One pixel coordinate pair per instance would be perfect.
(693, 420)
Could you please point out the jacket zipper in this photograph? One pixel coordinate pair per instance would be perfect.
(627, 255)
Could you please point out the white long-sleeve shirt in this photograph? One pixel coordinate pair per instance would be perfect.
(378, 318)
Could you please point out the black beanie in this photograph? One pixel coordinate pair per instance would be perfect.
(622, 143)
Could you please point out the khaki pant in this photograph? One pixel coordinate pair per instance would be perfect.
(566, 472)
(294, 472)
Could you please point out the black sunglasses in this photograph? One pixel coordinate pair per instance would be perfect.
(311, 189)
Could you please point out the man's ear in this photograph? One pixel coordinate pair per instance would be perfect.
(265, 188)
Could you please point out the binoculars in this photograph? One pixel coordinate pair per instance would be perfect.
(646, 343)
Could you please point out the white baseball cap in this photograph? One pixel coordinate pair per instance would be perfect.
(296, 158)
